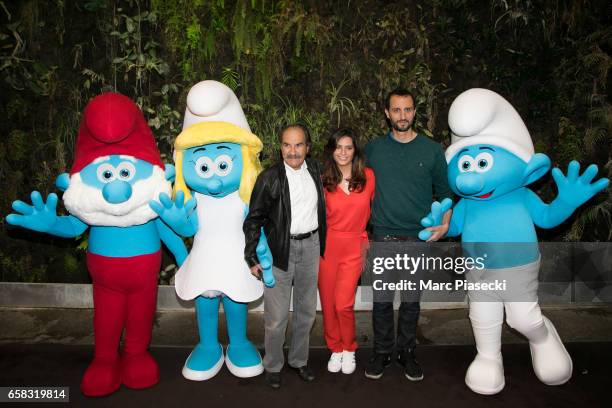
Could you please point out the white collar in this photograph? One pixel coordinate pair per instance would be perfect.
(291, 170)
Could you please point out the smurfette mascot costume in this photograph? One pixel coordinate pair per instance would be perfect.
(216, 158)
(491, 161)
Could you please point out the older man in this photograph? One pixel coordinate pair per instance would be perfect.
(288, 202)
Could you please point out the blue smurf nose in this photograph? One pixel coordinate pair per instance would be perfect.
(469, 183)
(215, 186)
(117, 192)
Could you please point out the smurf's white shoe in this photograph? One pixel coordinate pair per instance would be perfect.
(348, 362)
(486, 375)
(552, 363)
(203, 363)
(334, 364)
(244, 361)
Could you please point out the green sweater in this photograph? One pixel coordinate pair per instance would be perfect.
(407, 176)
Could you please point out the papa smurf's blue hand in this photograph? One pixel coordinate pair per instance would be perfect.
(265, 260)
(39, 216)
(575, 190)
(175, 213)
(434, 218)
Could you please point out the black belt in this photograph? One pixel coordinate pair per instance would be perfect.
(394, 238)
(299, 237)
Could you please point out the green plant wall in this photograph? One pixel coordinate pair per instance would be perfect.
(325, 63)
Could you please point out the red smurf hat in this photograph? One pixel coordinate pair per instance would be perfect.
(113, 124)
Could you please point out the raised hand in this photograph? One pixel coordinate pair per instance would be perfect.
(39, 216)
(265, 260)
(575, 190)
(175, 213)
(434, 229)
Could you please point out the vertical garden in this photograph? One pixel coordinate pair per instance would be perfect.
(325, 63)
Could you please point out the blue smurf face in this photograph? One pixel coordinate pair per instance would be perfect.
(115, 175)
(485, 172)
(213, 169)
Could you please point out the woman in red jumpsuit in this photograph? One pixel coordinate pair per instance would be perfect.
(349, 189)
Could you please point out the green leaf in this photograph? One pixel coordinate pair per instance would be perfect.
(129, 25)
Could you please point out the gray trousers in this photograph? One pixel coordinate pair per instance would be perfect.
(302, 271)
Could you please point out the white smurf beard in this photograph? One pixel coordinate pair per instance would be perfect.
(88, 204)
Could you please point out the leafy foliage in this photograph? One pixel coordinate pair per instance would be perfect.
(326, 64)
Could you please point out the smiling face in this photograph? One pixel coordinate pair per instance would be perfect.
(485, 172)
(345, 151)
(294, 147)
(214, 169)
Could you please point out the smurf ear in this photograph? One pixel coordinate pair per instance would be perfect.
(62, 182)
(537, 167)
(170, 172)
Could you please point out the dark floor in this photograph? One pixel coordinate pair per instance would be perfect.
(443, 386)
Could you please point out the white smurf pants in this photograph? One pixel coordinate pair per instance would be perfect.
(551, 362)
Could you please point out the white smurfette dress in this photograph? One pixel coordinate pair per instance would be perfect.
(216, 262)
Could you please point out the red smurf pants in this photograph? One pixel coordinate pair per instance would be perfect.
(125, 296)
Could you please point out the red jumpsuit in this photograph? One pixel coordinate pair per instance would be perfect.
(342, 263)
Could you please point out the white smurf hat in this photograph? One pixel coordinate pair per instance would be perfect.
(212, 101)
(481, 116)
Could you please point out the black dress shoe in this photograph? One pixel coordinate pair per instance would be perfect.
(273, 379)
(304, 372)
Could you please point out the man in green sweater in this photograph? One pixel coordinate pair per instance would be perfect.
(410, 172)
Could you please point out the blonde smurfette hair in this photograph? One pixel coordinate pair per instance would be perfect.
(204, 133)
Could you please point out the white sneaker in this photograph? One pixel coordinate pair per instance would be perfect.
(348, 362)
(335, 363)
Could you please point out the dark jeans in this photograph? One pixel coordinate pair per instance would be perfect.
(383, 319)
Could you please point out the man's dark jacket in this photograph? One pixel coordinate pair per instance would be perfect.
(270, 208)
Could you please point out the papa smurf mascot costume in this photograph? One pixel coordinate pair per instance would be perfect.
(216, 158)
(491, 161)
(117, 170)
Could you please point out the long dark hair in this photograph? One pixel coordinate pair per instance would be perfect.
(332, 176)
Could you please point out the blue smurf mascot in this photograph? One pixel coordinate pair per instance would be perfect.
(117, 170)
(491, 161)
(216, 158)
